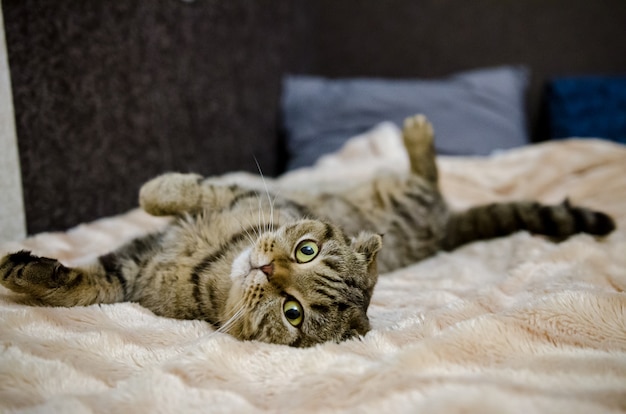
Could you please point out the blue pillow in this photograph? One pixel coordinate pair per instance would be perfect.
(588, 106)
(473, 112)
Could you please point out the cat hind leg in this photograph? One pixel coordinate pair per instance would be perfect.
(418, 137)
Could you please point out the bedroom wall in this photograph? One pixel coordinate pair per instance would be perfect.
(108, 94)
(432, 38)
(12, 222)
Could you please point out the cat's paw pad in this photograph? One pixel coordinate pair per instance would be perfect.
(418, 131)
(171, 193)
(23, 272)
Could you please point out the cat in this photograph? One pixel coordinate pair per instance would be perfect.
(296, 269)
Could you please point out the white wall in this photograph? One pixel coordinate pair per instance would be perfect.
(12, 218)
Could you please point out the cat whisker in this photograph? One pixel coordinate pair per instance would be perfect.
(260, 228)
(245, 229)
(269, 199)
(261, 215)
(255, 228)
(225, 328)
(272, 207)
(260, 219)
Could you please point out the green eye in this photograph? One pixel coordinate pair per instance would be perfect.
(306, 251)
(293, 312)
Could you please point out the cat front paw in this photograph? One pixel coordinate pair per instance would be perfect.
(171, 194)
(24, 272)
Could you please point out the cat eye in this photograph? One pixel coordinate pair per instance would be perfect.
(306, 251)
(293, 312)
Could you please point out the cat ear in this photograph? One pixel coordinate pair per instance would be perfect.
(355, 333)
(368, 244)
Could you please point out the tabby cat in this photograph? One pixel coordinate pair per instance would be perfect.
(290, 269)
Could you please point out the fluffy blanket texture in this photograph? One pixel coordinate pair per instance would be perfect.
(513, 325)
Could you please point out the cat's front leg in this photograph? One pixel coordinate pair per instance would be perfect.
(24, 273)
(53, 283)
(171, 194)
(177, 194)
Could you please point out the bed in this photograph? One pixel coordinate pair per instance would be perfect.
(517, 324)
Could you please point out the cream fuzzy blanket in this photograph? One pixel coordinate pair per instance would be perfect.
(515, 325)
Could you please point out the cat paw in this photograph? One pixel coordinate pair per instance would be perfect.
(418, 136)
(418, 133)
(171, 193)
(23, 272)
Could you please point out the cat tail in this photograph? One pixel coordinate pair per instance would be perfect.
(108, 279)
(501, 219)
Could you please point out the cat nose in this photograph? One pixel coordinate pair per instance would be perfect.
(268, 269)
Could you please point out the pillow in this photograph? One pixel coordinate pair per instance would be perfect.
(587, 106)
(473, 112)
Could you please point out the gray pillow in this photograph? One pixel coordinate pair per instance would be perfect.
(473, 112)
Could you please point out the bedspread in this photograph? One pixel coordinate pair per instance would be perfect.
(512, 325)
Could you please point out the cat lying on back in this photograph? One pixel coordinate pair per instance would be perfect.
(296, 270)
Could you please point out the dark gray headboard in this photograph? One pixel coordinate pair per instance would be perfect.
(110, 93)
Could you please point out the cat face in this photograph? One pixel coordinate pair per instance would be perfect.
(303, 284)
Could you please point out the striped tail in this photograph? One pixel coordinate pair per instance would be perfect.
(501, 219)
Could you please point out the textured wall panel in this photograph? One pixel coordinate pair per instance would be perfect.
(110, 93)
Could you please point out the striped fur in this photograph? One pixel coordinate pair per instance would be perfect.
(500, 219)
(295, 269)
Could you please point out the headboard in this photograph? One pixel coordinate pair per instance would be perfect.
(108, 94)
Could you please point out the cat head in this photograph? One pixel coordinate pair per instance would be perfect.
(302, 284)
